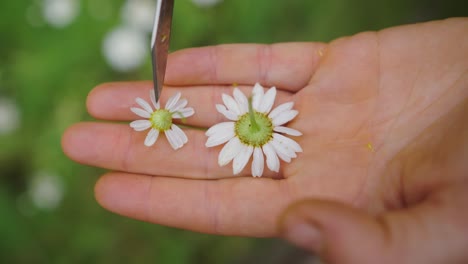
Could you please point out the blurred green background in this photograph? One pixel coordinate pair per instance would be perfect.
(52, 52)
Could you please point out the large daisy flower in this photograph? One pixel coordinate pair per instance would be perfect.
(254, 130)
(160, 119)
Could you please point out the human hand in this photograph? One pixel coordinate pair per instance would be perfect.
(375, 110)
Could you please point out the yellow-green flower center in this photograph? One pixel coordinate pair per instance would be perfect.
(256, 133)
(161, 119)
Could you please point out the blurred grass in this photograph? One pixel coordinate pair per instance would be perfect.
(48, 73)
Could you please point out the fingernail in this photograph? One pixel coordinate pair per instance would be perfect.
(303, 233)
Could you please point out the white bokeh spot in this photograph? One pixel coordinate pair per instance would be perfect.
(10, 117)
(139, 14)
(125, 49)
(46, 190)
(60, 13)
(206, 3)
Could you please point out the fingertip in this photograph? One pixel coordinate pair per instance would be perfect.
(90, 99)
(66, 139)
(325, 214)
(332, 230)
(124, 194)
(88, 142)
(100, 190)
(112, 101)
(71, 141)
(302, 209)
(94, 99)
(104, 189)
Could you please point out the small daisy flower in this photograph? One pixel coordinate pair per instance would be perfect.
(254, 130)
(160, 120)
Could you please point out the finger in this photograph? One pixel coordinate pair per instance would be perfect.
(118, 147)
(241, 206)
(432, 232)
(112, 101)
(286, 66)
(333, 231)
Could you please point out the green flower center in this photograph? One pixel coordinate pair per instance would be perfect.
(161, 119)
(254, 129)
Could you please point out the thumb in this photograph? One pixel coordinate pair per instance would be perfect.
(335, 232)
(435, 231)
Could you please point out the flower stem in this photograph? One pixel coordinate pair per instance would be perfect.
(254, 126)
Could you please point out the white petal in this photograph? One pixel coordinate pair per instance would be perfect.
(153, 100)
(285, 117)
(219, 134)
(173, 139)
(220, 128)
(177, 107)
(229, 151)
(173, 100)
(241, 100)
(226, 113)
(257, 163)
(281, 108)
(231, 104)
(180, 133)
(144, 105)
(257, 95)
(272, 160)
(287, 142)
(151, 137)
(140, 112)
(268, 100)
(219, 139)
(184, 113)
(287, 150)
(282, 152)
(241, 159)
(140, 125)
(287, 130)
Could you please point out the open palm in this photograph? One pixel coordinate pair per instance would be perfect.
(362, 101)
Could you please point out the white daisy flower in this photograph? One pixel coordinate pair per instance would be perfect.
(160, 120)
(254, 130)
